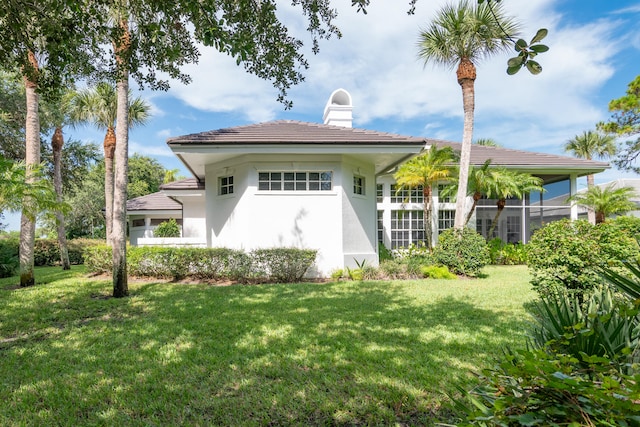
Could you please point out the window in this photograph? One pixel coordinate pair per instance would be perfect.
(380, 226)
(405, 195)
(406, 227)
(445, 220)
(513, 229)
(379, 192)
(442, 198)
(295, 181)
(225, 185)
(358, 185)
(137, 223)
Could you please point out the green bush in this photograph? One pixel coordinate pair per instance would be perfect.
(9, 258)
(168, 228)
(98, 259)
(569, 254)
(383, 253)
(502, 253)
(541, 388)
(601, 326)
(463, 251)
(284, 265)
(437, 272)
(279, 264)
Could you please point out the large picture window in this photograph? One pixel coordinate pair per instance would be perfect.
(295, 181)
(406, 227)
(404, 195)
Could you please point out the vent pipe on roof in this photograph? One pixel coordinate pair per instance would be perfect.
(339, 109)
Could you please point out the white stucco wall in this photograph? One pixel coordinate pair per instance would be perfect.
(194, 222)
(335, 223)
(359, 215)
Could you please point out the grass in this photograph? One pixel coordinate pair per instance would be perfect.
(346, 353)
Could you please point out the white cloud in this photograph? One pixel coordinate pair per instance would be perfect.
(376, 61)
(150, 149)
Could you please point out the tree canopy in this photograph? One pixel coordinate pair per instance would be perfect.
(625, 122)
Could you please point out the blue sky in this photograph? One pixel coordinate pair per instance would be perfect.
(595, 53)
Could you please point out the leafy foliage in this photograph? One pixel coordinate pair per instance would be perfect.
(601, 326)
(526, 53)
(625, 121)
(463, 251)
(9, 256)
(569, 254)
(437, 272)
(284, 265)
(606, 201)
(503, 253)
(168, 228)
(537, 387)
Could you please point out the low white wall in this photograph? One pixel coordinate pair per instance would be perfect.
(193, 242)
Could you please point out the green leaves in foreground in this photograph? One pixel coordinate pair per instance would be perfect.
(526, 53)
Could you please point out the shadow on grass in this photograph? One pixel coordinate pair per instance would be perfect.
(308, 354)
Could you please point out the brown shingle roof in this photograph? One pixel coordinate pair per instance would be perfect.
(153, 202)
(509, 157)
(184, 184)
(293, 132)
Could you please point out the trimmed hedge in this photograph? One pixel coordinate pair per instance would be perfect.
(284, 265)
(46, 252)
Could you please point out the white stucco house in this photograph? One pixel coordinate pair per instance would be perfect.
(323, 186)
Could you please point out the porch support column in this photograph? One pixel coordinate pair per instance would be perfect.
(573, 189)
(524, 230)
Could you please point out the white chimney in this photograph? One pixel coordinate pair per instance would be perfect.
(339, 109)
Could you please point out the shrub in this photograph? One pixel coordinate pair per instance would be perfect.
(393, 269)
(9, 256)
(536, 387)
(168, 228)
(463, 251)
(502, 253)
(383, 253)
(98, 259)
(602, 326)
(437, 272)
(569, 255)
(285, 265)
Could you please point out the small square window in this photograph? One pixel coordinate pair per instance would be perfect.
(225, 185)
(358, 185)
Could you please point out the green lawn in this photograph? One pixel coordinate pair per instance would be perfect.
(367, 353)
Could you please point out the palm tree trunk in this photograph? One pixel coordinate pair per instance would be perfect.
(591, 214)
(57, 141)
(466, 77)
(501, 204)
(476, 198)
(428, 209)
(109, 153)
(119, 233)
(32, 159)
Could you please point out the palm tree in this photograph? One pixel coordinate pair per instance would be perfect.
(590, 145)
(480, 181)
(487, 142)
(32, 161)
(424, 171)
(462, 35)
(98, 106)
(510, 184)
(606, 201)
